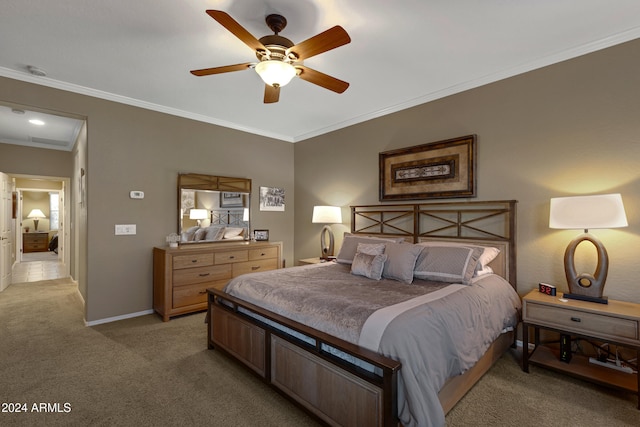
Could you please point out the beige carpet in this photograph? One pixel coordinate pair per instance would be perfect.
(145, 372)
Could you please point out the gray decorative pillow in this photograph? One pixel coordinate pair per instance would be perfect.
(371, 248)
(200, 234)
(401, 259)
(366, 265)
(450, 264)
(215, 232)
(350, 245)
(489, 253)
(189, 234)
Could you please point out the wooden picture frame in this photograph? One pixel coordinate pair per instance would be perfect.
(442, 169)
(261, 235)
(231, 200)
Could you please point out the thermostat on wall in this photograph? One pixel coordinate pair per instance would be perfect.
(136, 194)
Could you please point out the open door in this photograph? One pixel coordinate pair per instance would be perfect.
(6, 219)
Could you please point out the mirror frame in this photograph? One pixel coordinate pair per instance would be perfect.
(202, 182)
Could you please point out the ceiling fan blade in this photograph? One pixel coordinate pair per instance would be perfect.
(332, 38)
(321, 79)
(271, 94)
(238, 30)
(220, 70)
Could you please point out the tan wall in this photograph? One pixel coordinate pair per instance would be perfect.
(570, 128)
(129, 148)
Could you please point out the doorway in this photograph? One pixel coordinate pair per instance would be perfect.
(41, 229)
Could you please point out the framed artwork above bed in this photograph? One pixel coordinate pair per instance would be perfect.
(442, 169)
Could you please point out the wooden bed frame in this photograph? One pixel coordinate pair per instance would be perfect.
(335, 391)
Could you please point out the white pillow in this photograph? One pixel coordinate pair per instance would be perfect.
(483, 271)
(230, 232)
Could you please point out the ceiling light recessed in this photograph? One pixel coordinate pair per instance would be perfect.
(35, 71)
(36, 122)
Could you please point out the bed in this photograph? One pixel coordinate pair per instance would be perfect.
(353, 348)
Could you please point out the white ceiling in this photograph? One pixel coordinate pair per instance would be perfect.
(403, 53)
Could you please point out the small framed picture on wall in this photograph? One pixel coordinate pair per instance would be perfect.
(261, 235)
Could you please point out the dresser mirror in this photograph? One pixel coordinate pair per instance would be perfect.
(213, 208)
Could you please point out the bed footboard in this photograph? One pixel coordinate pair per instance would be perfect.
(330, 388)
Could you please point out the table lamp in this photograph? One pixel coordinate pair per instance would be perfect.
(326, 215)
(198, 215)
(585, 212)
(36, 215)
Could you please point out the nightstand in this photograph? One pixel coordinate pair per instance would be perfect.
(35, 241)
(616, 323)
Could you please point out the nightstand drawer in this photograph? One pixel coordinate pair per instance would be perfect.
(592, 324)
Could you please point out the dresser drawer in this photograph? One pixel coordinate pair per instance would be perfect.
(193, 294)
(254, 266)
(263, 253)
(592, 324)
(231, 256)
(194, 260)
(190, 276)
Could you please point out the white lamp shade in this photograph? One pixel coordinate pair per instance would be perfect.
(198, 214)
(585, 212)
(327, 215)
(275, 73)
(36, 214)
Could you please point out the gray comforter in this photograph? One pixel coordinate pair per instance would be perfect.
(436, 330)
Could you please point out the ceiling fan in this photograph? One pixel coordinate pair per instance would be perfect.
(279, 59)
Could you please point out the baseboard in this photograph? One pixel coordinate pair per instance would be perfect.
(116, 318)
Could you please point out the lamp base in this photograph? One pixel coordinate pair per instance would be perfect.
(603, 300)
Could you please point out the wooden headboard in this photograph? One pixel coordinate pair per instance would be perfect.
(490, 223)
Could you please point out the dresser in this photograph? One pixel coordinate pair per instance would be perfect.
(35, 242)
(182, 275)
(616, 323)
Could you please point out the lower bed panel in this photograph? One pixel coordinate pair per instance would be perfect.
(337, 397)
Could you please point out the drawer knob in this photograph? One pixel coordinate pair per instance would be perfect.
(262, 254)
(576, 319)
(204, 274)
(231, 257)
(255, 267)
(202, 292)
(194, 260)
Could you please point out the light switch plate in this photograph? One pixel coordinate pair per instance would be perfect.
(125, 229)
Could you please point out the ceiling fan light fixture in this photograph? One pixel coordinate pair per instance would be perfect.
(275, 73)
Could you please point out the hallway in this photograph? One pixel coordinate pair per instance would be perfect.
(40, 268)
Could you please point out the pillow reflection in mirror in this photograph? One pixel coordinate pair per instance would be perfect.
(188, 236)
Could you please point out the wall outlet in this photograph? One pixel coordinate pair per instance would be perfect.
(125, 229)
(136, 194)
